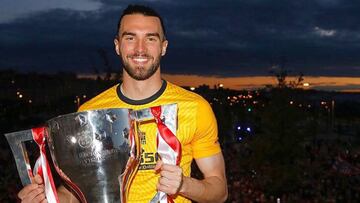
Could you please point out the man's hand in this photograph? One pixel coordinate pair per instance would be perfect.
(171, 178)
(34, 192)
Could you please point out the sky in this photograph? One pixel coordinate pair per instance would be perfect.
(207, 38)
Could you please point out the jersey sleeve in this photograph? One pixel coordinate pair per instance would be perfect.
(205, 142)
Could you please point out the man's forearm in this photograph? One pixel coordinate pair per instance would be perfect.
(210, 189)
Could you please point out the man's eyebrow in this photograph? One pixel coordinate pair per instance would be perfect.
(153, 34)
(128, 33)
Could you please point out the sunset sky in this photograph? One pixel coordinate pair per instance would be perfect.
(231, 42)
(344, 84)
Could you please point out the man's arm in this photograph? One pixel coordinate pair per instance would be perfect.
(213, 188)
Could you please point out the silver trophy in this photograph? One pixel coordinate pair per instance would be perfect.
(95, 152)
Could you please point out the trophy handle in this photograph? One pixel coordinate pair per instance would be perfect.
(16, 141)
(133, 162)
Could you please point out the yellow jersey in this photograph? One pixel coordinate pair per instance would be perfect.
(197, 132)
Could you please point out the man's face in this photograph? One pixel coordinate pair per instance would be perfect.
(140, 44)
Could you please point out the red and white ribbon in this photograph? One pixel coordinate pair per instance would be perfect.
(168, 148)
(42, 166)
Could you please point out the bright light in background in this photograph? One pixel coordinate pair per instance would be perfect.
(239, 127)
(248, 129)
(73, 140)
(306, 84)
(192, 88)
(221, 85)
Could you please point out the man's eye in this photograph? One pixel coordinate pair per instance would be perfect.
(152, 39)
(129, 38)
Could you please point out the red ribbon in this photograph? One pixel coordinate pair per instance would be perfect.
(166, 133)
(44, 169)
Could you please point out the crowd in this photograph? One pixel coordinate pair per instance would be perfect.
(324, 178)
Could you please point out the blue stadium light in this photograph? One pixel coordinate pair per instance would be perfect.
(240, 138)
(239, 127)
(248, 129)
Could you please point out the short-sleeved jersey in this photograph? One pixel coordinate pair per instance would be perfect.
(197, 132)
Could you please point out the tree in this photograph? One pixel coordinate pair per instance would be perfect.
(108, 67)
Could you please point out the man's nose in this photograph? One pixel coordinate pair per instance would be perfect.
(140, 46)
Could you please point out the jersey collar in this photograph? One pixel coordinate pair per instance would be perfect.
(142, 101)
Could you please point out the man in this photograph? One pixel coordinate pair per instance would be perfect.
(140, 43)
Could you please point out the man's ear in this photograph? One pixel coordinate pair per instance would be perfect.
(117, 46)
(164, 47)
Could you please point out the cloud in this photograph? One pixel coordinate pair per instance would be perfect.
(11, 10)
(324, 33)
(328, 3)
(199, 33)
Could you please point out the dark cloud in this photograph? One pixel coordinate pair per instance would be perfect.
(228, 38)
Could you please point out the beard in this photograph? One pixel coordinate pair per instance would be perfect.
(141, 72)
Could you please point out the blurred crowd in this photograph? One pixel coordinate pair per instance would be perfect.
(330, 173)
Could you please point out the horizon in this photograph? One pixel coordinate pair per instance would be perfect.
(322, 83)
(252, 82)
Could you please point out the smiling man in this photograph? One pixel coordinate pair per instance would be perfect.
(140, 43)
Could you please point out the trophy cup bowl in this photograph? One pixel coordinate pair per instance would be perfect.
(95, 152)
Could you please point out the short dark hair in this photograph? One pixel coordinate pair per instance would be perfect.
(140, 9)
